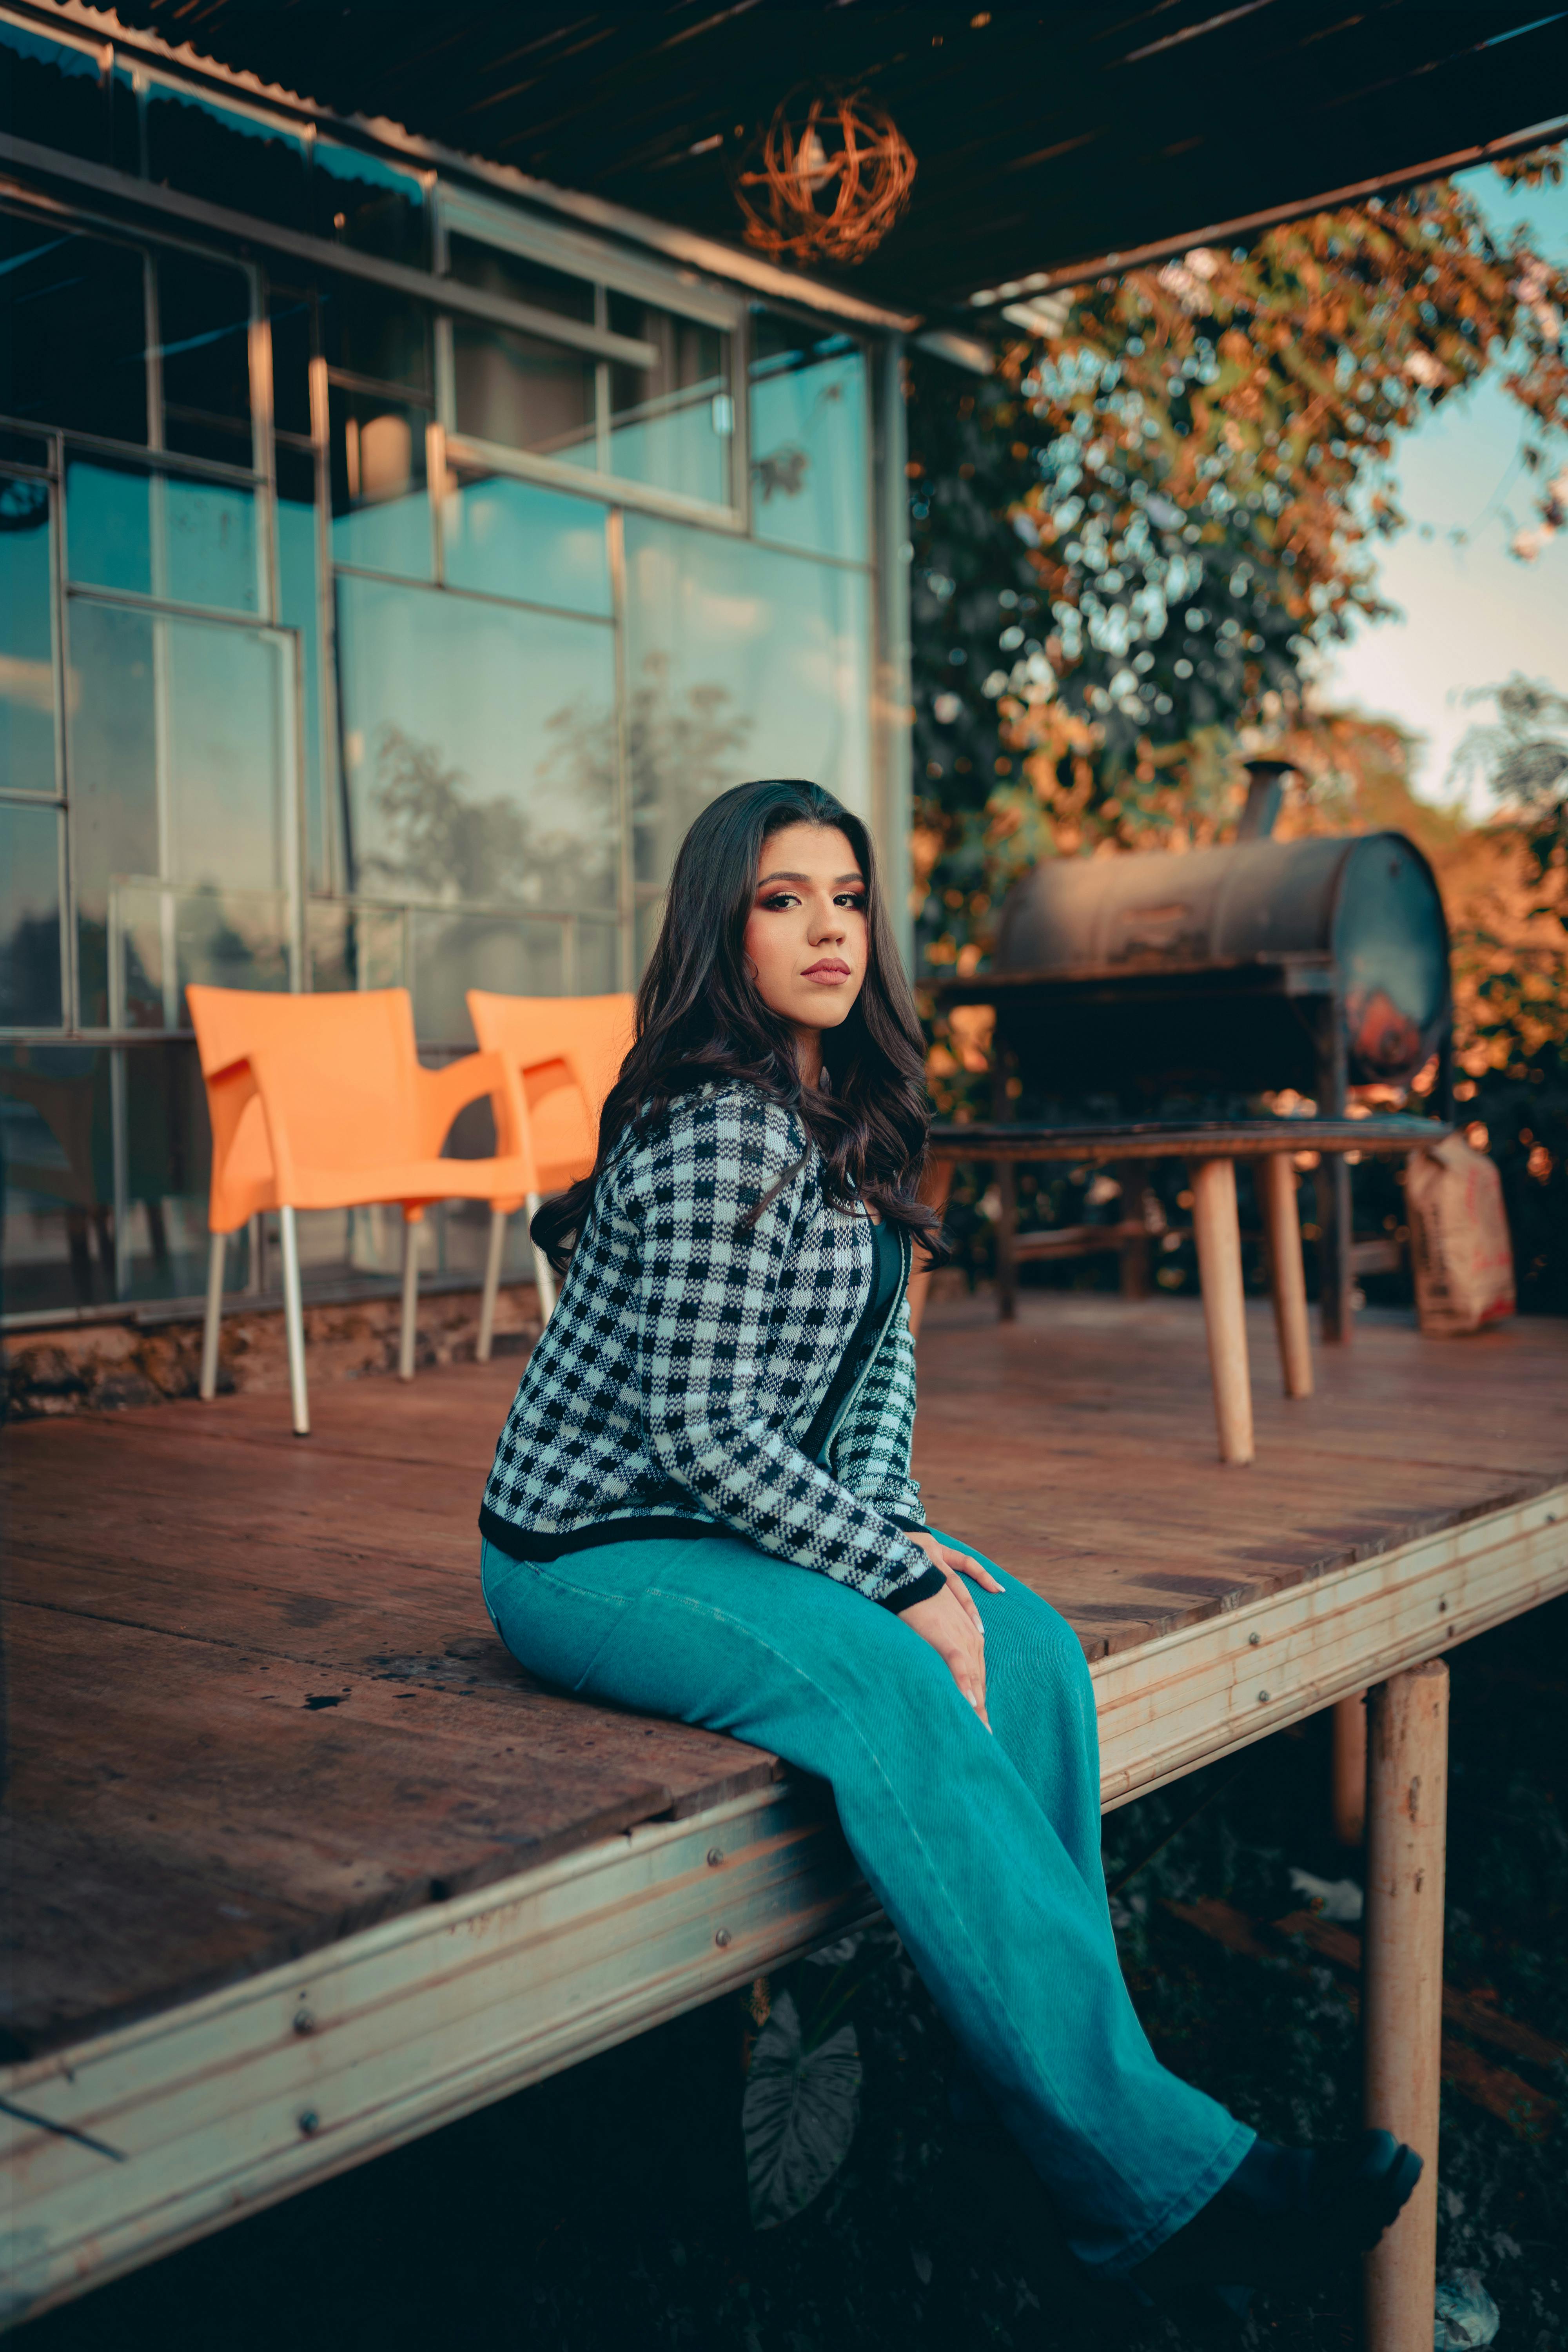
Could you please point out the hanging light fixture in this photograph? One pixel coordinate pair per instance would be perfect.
(826, 180)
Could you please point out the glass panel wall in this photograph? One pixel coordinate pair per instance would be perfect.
(419, 688)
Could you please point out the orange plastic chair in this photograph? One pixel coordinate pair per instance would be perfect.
(568, 1051)
(320, 1102)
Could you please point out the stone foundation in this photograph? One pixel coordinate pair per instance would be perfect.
(105, 1366)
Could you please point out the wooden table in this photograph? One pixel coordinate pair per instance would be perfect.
(1211, 1148)
(303, 1866)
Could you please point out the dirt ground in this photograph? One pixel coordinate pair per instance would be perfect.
(606, 2210)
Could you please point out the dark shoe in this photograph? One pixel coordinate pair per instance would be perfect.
(1287, 2216)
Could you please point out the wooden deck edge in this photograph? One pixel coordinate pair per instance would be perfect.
(241, 2097)
(1217, 1685)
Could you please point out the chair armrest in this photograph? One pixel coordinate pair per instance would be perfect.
(444, 1093)
(229, 1092)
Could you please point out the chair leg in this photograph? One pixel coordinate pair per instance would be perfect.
(410, 1299)
(294, 1322)
(1217, 1232)
(1277, 1182)
(493, 1284)
(218, 1248)
(544, 1272)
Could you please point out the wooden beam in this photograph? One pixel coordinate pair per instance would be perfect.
(1217, 1232)
(1407, 1787)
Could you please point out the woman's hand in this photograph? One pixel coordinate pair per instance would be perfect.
(949, 1622)
(955, 1566)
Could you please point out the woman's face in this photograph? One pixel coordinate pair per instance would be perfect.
(805, 935)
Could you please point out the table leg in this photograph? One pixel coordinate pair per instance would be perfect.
(1133, 1177)
(1403, 2010)
(1350, 1769)
(1277, 1182)
(935, 1186)
(1217, 1231)
(1006, 1233)
(1334, 1279)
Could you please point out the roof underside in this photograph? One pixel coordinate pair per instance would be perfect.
(1046, 137)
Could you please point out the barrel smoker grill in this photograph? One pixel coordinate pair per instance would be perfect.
(1318, 964)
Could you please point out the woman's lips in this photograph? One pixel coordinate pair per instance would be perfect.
(828, 970)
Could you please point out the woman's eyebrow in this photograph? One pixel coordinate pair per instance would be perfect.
(838, 885)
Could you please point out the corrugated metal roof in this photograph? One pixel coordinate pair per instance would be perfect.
(1046, 137)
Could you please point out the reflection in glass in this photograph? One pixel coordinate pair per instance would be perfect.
(598, 959)
(524, 393)
(175, 535)
(505, 538)
(73, 331)
(57, 1164)
(478, 746)
(370, 205)
(53, 93)
(672, 424)
(168, 1169)
(203, 327)
(110, 716)
(453, 954)
(381, 515)
(228, 157)
(349, 946)
(743, 661)
(367, 331)
(809, 438)
(30, 994)
(26, 640)
(289, 316)
(299, 568)
(210, 796)
(497, 271)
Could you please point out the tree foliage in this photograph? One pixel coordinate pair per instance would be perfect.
(1129, 542)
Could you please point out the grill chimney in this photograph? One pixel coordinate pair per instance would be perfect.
(1265, 791)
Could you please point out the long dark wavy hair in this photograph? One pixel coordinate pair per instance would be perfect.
(699, 1018)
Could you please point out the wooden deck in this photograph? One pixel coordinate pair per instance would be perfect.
(303, 1865)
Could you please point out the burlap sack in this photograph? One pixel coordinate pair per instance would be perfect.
(1459, 1243)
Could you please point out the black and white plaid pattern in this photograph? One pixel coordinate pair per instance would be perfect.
(689, 1353)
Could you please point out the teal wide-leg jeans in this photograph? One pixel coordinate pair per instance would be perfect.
(984, 1851)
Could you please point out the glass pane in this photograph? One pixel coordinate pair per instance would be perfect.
(381, 515)
(512, 538)
(598, 959)
(375, 206)
(453, 954)
(228, 753)
(203, 327)
(289, 315)
(743, 662)
(299, 573)
(73, 331)
(224, 829)
(353, 946)
(229, 158)
(480, 749)
(810, 445)
(110, 717)
(58, 1161)
(171, 535)
(53, 94)
(498, 272)
(367, 331)
(672, 425)
(29, 917)
(24, 449)
(26, 640)
(523, 393)
(168, 1167)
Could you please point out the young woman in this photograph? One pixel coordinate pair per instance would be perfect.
(701, 1507)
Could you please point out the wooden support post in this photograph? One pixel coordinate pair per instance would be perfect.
(1403, 2007)
(1133, 1177)
(1350, 1769)
(935, 1186)
(1277, 1183)
(1217, 1232)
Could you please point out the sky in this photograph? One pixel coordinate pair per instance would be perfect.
(1470, 613)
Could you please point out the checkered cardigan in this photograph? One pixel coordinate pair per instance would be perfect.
(689, 1351)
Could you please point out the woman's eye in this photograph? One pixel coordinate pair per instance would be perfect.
(779, 901)
(851, 899)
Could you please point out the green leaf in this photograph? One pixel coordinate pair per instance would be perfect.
(798, 2115)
